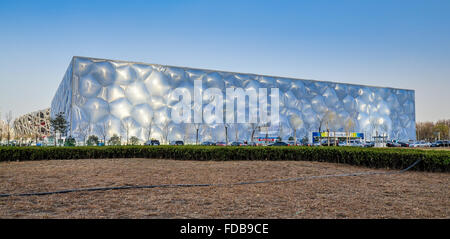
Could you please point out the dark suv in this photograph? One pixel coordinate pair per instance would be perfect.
(208, 143)
(279, 143)
(403, 144)
(393, 144)
(178, 142)
(152, 142)
(438, 143)
(237, 143)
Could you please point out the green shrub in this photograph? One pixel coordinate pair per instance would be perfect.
(134, 140)
(369, 157)
(70, 141)
(114, 140)
(92, 140)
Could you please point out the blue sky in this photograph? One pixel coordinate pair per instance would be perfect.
(401, 44)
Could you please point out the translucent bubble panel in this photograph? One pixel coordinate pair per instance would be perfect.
(138, 99)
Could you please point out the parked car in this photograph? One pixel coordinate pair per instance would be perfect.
(208, 143)
(325, 142)
(152, 142)
(414, 144)
(419, 144)
(178, 142)
(403, 144)
(392, 144)
(221, 144)
(279, 143)
(352, 143)
(358, 144)
(438, 143)
(425, 144)
(237, 144)
(252, 144)
(369, 144)
(316, 144)
(292, 143)
(445, 143)
(343, 143)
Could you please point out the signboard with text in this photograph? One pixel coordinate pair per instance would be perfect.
(338, 134)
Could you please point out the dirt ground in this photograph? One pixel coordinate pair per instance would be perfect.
(408, 195)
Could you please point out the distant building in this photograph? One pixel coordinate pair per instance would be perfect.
(33, 124)
(3, 130)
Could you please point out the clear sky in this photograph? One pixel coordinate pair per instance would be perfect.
(401, 44)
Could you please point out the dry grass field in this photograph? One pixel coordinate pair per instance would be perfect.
(408, 195)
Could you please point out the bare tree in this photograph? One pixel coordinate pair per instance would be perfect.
(148, 128)
(197, 127)
(127, 126)
(253, 127)
(103, 130)
(348, 126)
(280, 131)
(165, 131)
(226, 126)
(187, 130)
(384, 129)
(443, 127)
(1, 128)
(83, 130)
(236, 132)
(18, 136)
(295, 122)
(424, 130)
(329, 117)
(207, 132)
(8, 118)
(373, 126)
(321, 119)
(265, 127)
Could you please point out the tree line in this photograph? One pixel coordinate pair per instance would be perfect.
(431, 131)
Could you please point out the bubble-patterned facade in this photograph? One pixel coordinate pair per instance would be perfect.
(136, 97)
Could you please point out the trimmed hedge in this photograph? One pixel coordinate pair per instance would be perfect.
(432, 160)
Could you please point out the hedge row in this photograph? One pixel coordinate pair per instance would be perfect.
(370, 157)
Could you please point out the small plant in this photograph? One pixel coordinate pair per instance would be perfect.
(134, 140)
(92, 140)
(70, 141)
(114, 140)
